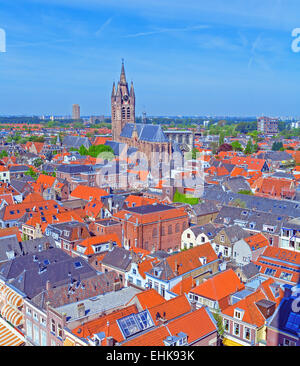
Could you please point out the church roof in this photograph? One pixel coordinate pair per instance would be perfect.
(146, 132)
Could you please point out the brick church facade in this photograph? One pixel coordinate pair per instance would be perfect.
(146, 138)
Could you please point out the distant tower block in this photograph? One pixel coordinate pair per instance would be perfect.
(144, 117)
(76, 112)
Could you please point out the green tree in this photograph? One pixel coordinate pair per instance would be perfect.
(220, 326)
(83, 150)
(236, 145)
(277, 145)
(38, 162)
(221, 138)
(249, 147)
(31, 173)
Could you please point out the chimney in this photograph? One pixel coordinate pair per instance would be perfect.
(48, 286)
(109, 341)
(81, 310)
(287, 290)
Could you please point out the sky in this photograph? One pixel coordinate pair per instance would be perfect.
(192, 57)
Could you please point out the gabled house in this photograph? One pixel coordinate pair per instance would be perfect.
(248, 249)
(199, 262)
(215, 292)
(197, 235)
(225, 239)
(244, 321)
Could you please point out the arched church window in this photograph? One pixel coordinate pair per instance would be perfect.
(123, 112)
(128, 112)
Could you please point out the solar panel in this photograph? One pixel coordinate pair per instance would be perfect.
(293, 322)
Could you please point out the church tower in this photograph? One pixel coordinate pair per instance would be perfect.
(122, 105)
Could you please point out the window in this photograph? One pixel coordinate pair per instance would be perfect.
(226, 251)
(59, 331)
(162, 290)
(36, 336)
(35, 316)
(154, 232)
(247, 333)
(170, 229)
(134, 271)
(43, 321)
(222, 238)
(226, 324)
(285, 276)
(130, 279)
(53, 328)
(43, 338)
(177, 228)
(29, 329)
(270, 271)
(287, 342)
(188, 235)
(237, 314)
(236, 329)
(28, 311)
(53, 344)
(139, 283)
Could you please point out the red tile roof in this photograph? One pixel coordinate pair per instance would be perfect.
(219, 286)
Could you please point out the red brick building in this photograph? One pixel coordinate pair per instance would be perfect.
(153, 227)
(106, 227)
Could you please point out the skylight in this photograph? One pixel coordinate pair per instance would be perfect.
(135, 323)
(77, 264)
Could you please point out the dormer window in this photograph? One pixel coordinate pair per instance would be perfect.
(238, 314)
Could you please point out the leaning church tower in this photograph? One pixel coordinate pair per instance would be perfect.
(122, 105)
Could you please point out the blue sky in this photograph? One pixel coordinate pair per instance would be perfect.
(191, 57)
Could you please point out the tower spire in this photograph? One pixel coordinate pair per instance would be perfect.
(113, 93)
(123, 77)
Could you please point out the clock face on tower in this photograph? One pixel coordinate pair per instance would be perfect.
(125, 98)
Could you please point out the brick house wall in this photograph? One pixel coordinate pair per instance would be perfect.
(275, 338)
(159, 235)
(98, 229)
(209, 340)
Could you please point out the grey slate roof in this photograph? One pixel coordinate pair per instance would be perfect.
(100, 303)
(208, 229)
(9, 248)
(31, 281)
(283, 175)
(146, 132)
(76, 141)
(119, 258)
(250, 270)
(274, 155)
(235, 233)
(146, 209)
(204, 208)
(16, 266)
(18, 168)
(236, 184)
(74, 168)
(249, 219)
(117, 147)
(39, 244)
(278, 207)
